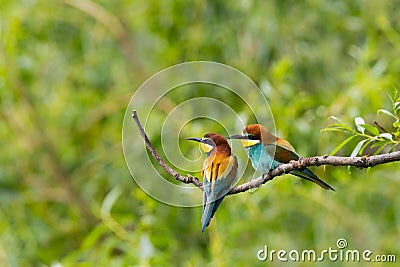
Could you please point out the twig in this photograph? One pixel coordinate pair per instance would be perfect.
(188, 179)
(380, 127)
(359, 162)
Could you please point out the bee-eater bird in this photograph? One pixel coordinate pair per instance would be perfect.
(266, 152)
(219, 173)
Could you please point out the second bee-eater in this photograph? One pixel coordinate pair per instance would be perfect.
(219, 173)
(266, 152)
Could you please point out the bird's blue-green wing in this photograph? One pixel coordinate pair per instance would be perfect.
(284, 153)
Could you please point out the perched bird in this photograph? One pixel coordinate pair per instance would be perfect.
(219, 173)
(266, 152)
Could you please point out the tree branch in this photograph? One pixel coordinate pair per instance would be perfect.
(188, 179)
(359, 162)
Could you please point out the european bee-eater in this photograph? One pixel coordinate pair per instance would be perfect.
(219, 173)
(266, 152)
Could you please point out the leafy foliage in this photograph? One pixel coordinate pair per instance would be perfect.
(376, 137)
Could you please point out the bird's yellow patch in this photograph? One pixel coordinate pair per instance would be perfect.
(249, 143)
(219, 168)
(205, 147)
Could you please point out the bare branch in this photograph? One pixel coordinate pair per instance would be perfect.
(380, 127)
(359, 162)
(188, 179)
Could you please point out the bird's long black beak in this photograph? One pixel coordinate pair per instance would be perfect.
(237, 136)
(194, 139)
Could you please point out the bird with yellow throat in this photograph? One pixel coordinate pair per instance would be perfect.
(266, 152)
(219, 173)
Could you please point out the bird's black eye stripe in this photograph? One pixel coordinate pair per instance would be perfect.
(208, 142)
(253, 137)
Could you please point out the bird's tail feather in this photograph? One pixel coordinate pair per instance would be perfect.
(310, 176)
(208, 212)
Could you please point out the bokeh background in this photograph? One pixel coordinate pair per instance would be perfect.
(69, 68)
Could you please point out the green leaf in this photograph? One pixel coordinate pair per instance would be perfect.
(342, 144)
(371, 129)
(340, 126)
(380, 143)
(358, 148)
(397, 105)
(332, 130)
(387, 136)
(336, 119)
(384, 111)
(359, 122)
(365, 145)
(392, 148)
(379, 150)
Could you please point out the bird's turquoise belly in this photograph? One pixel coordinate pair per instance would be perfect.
(260, 159)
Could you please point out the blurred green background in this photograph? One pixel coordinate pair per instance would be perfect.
(67, 72)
